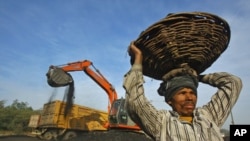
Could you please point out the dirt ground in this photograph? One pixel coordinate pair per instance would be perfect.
(111, 136)
(18, 138)
(95, 136)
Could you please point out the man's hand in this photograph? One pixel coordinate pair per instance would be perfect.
(136, 52)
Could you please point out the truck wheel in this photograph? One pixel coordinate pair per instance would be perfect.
(47, 136)
(69, 135)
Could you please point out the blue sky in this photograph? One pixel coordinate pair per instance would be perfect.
(37, 34)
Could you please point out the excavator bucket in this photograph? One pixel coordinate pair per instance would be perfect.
(56, 77)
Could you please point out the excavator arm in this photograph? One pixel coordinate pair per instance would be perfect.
(59, 76)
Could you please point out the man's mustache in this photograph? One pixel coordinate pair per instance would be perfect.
(189, 103)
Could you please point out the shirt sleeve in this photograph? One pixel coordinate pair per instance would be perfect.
(222, 102)
(140, 109)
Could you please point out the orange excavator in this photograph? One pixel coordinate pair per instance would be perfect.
(118, 117)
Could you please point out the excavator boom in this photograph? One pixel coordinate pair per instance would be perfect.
(60, 72)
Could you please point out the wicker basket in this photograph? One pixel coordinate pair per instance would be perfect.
(195, 38)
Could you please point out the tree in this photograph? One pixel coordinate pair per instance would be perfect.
(15, 117)
(2, 102)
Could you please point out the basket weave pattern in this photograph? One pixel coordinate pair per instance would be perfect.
(195, 38)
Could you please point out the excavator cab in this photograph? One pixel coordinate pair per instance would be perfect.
(118, 116)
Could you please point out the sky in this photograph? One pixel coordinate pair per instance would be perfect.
(37, 34)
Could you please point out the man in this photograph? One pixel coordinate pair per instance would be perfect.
(185, 122)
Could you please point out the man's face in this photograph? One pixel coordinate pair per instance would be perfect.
(184, 102)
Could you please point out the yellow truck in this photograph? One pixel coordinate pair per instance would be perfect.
(52, 123)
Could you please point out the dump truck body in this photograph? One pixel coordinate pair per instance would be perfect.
(53, 122)
(79, 118)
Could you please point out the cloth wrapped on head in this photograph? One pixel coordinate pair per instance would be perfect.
(170, 87)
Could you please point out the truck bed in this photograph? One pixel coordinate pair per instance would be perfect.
(80, 117)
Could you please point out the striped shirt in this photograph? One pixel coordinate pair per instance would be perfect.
(165, 125)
